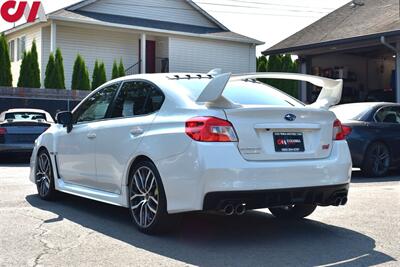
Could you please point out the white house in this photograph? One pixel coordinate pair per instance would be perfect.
(170, 36)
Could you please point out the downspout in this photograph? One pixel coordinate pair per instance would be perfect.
(397, 51)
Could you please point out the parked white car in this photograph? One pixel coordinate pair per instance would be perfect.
(164, 144)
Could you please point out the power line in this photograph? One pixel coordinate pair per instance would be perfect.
(275, 4)
(264, 14)
(264, 8)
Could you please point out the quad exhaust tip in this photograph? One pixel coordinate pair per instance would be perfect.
(230, 209)
(240, 209)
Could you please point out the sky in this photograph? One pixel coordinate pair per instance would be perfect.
(269, 21)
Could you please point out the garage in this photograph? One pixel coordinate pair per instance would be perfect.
(345, 45)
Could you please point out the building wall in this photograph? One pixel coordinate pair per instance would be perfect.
(31, 34)
(164, 10)
(91, 44)
(200, 55)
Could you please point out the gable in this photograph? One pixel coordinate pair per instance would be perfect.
(162, 10)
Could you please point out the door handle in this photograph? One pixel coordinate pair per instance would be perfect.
(136, 131)
(91, 136)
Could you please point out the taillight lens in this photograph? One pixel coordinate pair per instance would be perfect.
(340, 132)
(3, 131)
(210, 129)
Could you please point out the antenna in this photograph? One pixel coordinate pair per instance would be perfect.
(355, 3)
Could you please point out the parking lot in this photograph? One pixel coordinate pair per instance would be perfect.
(74, 231)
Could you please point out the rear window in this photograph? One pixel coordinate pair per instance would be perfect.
(25, 116)
(244, 93)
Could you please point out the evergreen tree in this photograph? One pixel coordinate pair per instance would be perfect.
(115, 71)
(80, 75)
(95, 76)
(5, 64)
(23, 80)
(59, 65)
(34, 71)
(121, 69)
(51, 73)
(102, 74)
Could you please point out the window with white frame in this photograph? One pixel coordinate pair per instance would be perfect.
(11, 50)
(21, 43)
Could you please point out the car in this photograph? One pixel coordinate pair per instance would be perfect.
(381, 96)
(19, 129)
(166, 144)
(373, 135)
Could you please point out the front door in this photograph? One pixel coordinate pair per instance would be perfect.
(76, 150)
(150, 56)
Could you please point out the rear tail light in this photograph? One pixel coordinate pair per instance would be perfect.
(3, 131)
(340, 132)
(210, 129)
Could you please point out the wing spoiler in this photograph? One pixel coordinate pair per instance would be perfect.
(330, 95)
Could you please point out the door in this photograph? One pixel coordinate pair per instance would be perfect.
(150, 56)
(117, 140)
(76, 150)
(387, 124)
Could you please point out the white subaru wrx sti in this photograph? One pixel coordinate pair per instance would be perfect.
(163, 144)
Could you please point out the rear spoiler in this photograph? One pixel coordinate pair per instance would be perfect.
(330, 95)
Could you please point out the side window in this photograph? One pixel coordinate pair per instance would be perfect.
(11, 50)
(137, 98)
(388, 115)
(95, 108)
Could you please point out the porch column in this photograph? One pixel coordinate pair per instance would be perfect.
(303, 85)
(53, 37)
(143, 53)
(397, 93)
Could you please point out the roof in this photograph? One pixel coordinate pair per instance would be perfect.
(348, 23)
(150, 25)
(73, 14)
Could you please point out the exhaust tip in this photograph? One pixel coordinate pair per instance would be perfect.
(344, 201)
(240, 209)
(229, 210)
(338, 201)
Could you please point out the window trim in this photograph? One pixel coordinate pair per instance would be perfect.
(135, 116)
(89, 96)
(379, 109)
(11, 53)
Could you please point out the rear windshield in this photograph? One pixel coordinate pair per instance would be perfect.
(351, 111)
(25, 116)
(244, 93)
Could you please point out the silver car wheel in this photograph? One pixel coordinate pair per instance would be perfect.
(144, 196)
(43, 174)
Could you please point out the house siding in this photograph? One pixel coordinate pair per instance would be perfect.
(31, 33)
(198, 55)
(106, 46)
(164, 10)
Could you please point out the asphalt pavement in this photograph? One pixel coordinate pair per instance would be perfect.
(73, 231)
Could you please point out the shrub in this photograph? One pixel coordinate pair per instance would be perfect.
(34, 71)
(59, 65)
(115, 71)
(80, 75)
(121, 69)
(51, 73)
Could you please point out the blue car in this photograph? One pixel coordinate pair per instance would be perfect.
(19, 129)
(374, 135)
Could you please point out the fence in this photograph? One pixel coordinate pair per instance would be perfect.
(51, 100)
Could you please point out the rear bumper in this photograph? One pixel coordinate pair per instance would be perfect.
(5, 148)
(322, 196)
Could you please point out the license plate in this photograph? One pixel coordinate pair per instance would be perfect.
(288, 142)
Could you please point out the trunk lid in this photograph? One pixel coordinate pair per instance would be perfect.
(23, 132)
(265, 134)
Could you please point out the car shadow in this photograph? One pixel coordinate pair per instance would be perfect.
(357, 177)
(255, 239)
(15, 159)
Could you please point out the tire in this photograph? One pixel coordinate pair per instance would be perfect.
(377, 160)
(44, 176)
(293, 212)
(147, 200)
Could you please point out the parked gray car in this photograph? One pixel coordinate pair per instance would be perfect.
(19, 129)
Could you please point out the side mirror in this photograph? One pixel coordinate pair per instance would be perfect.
(65, 118)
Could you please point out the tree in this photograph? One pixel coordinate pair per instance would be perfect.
(34, 71)
(5, 64)
(23, 80)
(51, 73)
(80, 75)
(95, 76)
(121, 69)
(115, 71)
(102, 74)
(59, 65)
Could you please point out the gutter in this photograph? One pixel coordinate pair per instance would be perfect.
(391, 47)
